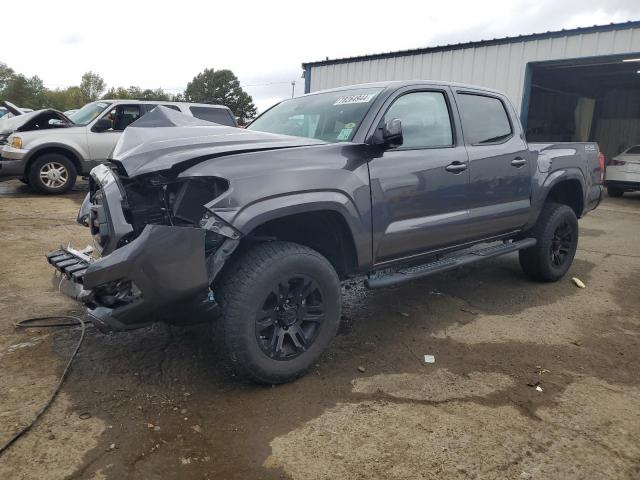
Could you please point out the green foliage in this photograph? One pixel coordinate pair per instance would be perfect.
(64, 99)
(31, 92)
(6, 74)
(136, 93)
(210, 86)
(223, 88)
(91, 86)
(25, 92)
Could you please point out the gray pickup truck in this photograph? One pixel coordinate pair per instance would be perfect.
(385, 182)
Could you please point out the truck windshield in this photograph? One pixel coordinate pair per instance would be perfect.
(332, 116)
(87, 113)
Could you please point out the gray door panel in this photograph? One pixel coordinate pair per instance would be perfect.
(499, 167)
(419, 190)
(416, 204)
(499, 192)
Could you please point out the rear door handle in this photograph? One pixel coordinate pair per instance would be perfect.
(518, 162)
(456, 167)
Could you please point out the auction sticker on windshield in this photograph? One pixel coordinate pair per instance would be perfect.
(362, 98)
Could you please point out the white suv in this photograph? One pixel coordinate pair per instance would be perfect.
(48, 150)
(623, 172)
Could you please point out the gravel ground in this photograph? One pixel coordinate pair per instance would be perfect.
(156, 402)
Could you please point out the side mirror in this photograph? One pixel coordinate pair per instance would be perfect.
(102, 125)
(392, 133)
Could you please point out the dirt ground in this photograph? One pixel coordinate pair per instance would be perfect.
(156, 403)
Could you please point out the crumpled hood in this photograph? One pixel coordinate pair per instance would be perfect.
(164, 139)
(10, 125)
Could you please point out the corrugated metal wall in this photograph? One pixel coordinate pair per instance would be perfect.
(502, 67)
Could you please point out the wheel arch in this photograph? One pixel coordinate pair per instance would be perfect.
(325, 221)
(569, 192)
(568, 188)
(65, 150)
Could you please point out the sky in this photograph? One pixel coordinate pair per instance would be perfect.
(164, 44)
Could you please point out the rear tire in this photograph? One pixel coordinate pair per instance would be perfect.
(615, 192)
(281, 309)
(52, 174)
(557, 234)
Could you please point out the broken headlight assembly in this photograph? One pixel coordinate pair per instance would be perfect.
(188, 198)
(159, 200)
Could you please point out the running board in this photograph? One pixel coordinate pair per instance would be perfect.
(448, 263)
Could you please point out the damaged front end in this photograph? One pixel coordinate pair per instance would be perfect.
(160, 249)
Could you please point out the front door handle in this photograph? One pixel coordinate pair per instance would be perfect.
(456, 167)
(518, 162)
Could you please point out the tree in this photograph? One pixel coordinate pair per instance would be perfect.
(25, 92)
(6, 74)
(221, 87)
(91, 86)
(64, 99)
(136, 93)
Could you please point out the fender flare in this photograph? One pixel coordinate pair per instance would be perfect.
(553, 179)
(265, 210)
(560, 176)
(77, 157)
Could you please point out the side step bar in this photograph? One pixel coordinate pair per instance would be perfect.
(448, 263)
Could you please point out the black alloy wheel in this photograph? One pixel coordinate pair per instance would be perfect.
(561, 244)
(289, 320)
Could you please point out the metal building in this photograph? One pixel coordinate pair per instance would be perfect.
(570, 85)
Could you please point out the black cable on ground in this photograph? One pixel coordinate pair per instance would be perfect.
(33, 323)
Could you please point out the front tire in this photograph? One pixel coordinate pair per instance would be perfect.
(557, 234)
(281, 308)
(52, 174)
(615, 192)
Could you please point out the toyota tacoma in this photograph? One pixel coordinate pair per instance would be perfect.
(384, 182)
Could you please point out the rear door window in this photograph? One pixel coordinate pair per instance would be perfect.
(215, 115)
(484, 119)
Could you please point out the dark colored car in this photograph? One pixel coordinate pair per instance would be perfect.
(387, 182)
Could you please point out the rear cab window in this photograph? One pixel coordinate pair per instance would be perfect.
(484, 119)
(221, 116)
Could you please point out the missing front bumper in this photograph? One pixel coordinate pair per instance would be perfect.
(166, 265)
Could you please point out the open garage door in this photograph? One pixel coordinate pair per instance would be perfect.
(590, 99)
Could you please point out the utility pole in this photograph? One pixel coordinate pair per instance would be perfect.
(293, 88)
